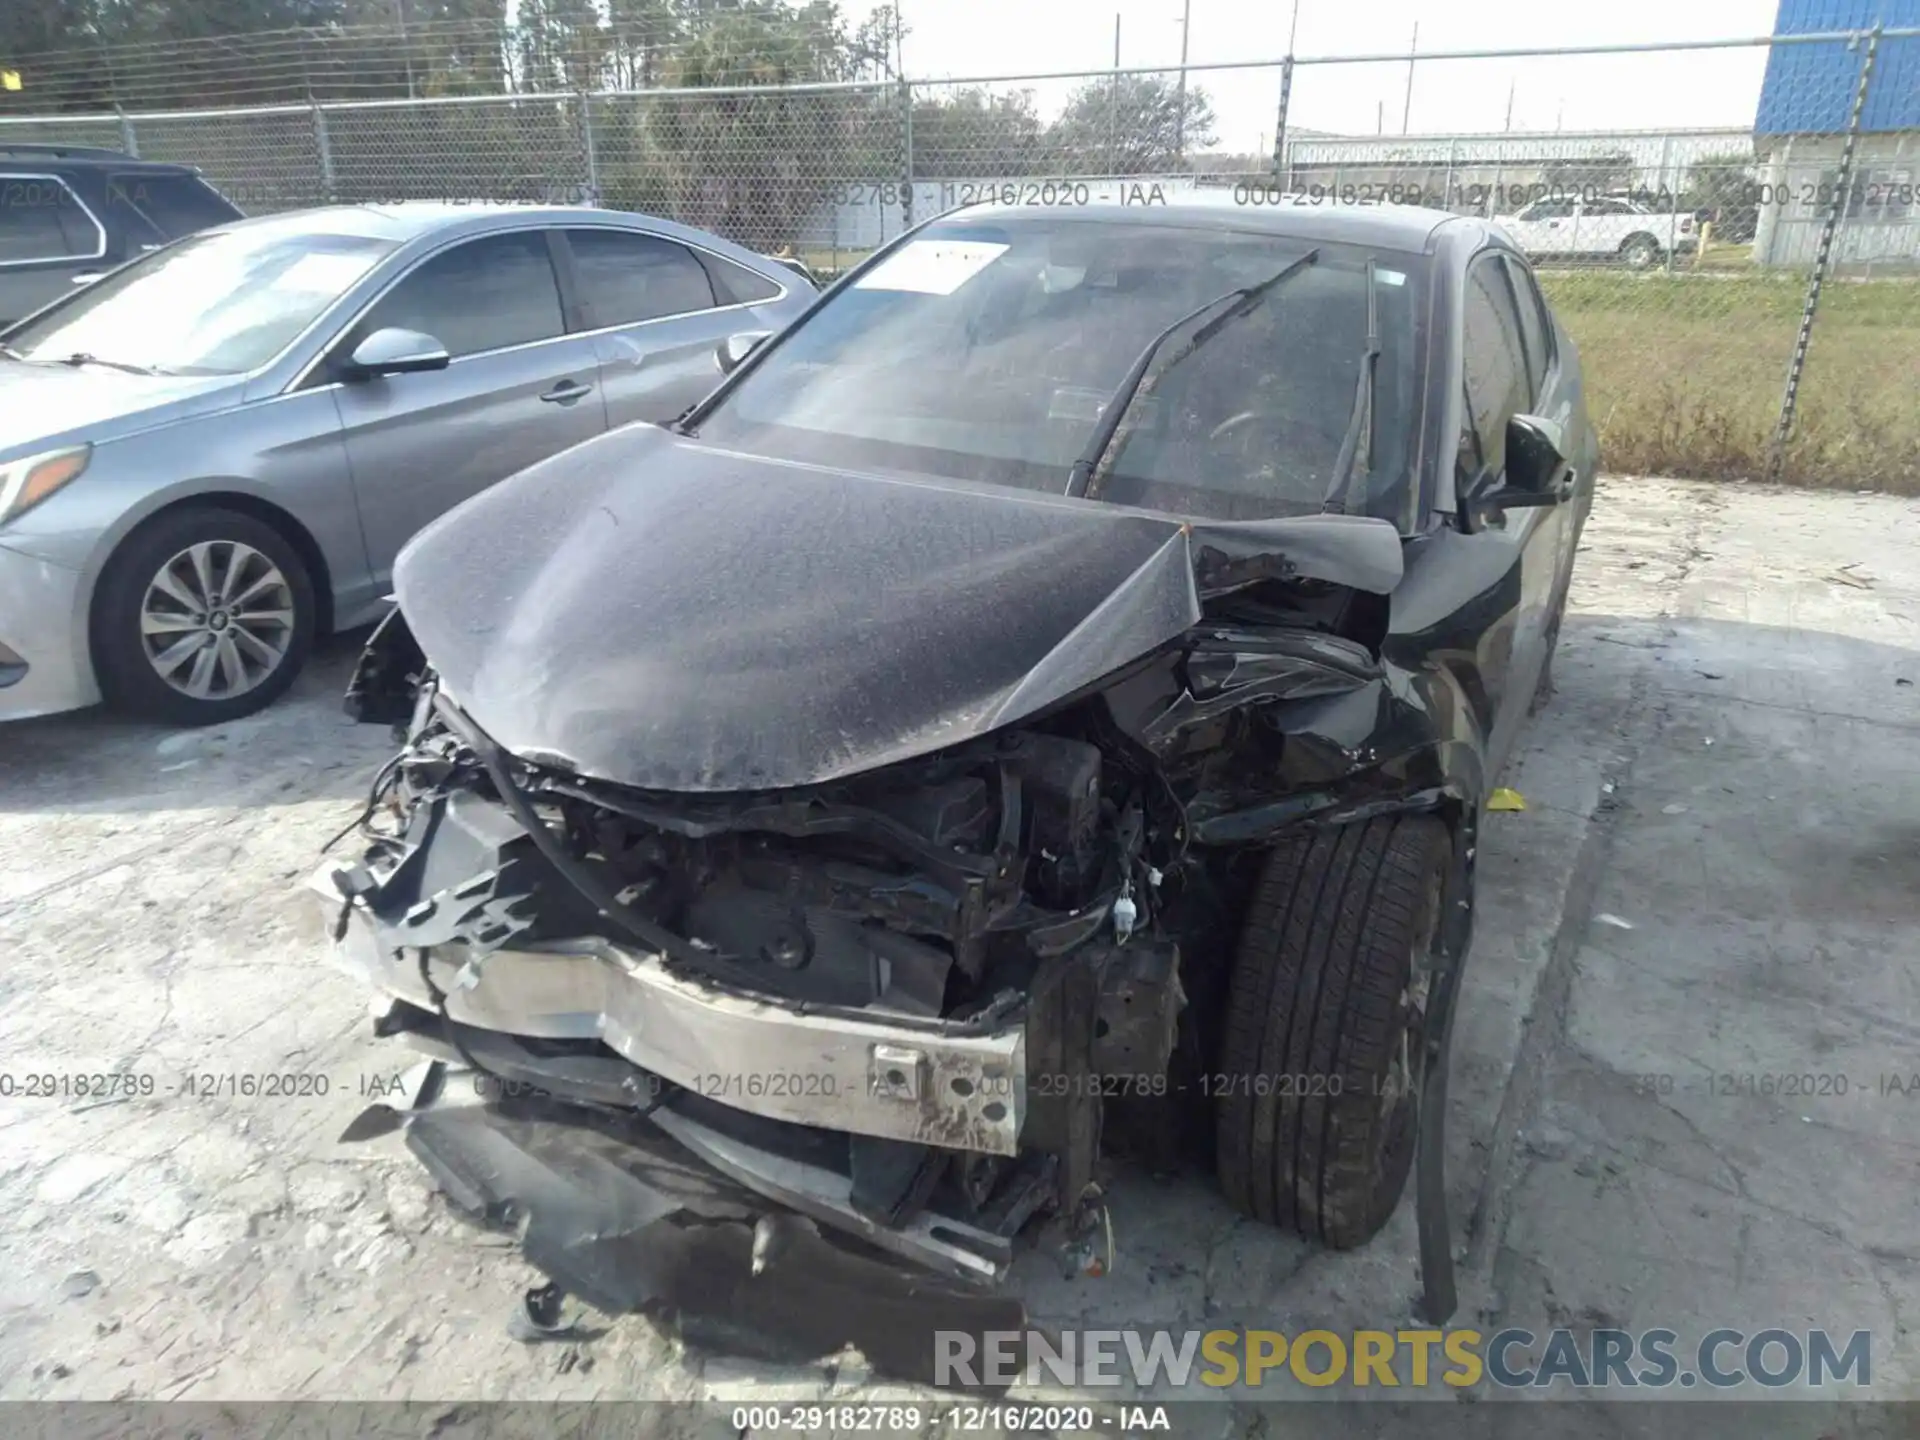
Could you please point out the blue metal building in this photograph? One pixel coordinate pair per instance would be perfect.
(1806, 102)
(1809, 88)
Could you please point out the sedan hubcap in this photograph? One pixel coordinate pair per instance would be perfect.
(217, 620)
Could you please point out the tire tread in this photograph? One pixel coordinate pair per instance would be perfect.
(1315, 990)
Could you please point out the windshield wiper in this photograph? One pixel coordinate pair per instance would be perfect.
(1356, 446)
(82, 358)
(1081, 476)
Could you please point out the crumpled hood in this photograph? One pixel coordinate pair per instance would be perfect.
(42, 406)
(656, 612)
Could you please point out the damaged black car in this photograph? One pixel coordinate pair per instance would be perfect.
(1039, 706)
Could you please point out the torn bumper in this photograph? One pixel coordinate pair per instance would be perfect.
(763, 1093)
(955, 1091)
(621, 1216)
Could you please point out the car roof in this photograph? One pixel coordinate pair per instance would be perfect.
(397, 222)
(1256, 206)
(84, 157)
(407, 220)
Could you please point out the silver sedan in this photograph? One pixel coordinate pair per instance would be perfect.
(213, 454)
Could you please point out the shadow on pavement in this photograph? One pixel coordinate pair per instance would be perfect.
(300, 748)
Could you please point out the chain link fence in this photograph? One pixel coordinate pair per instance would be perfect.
(1746, 300)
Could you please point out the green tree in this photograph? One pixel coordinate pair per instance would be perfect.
(1130, 125)
(1726, 186)
(753, 162)
(44, 42)
(560, 46)
(975, 134)
(645, 33)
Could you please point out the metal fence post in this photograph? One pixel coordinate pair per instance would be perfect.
(1281, 169)
(906, 153)
(587, 145)
(1829, 227)
(1673, 199)
(129, 141)
(323, 151)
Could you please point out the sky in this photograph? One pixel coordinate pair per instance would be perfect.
(964, 38)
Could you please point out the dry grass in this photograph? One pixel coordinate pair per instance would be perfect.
(1685, 374)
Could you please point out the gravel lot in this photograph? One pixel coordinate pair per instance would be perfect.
(1730, 768)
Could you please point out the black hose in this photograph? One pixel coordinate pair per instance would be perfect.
(381, 780)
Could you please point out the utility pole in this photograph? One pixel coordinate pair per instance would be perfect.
(1511, 84)
(1406, 110)
(899, 54)
(406, 46)
(1180, 114)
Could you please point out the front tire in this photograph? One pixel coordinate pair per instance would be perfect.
(1640, 252)
(1322, 1059)
(202, 616)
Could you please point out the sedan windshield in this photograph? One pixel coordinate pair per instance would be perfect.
(220, 303)
(986, 350)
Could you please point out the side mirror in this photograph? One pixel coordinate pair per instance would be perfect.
(394, 351)
(735, 348)
(1536, 455)
(1537, 473)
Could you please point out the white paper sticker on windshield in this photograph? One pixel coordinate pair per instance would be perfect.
(322, 274)
(1390, 277)
(931, 267)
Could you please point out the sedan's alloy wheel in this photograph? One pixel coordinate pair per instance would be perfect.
(217, 620)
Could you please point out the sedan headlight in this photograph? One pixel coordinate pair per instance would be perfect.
(25, 483)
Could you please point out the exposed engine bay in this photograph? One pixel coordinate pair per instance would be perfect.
(896, 905)
(911, 1003)
(998, 912)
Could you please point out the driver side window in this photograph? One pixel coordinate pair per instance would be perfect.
(1493, 363)
(481, 295)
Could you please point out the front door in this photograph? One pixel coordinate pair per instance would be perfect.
(519, 388)
(1524, 545)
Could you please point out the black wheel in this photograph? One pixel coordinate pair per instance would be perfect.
(1322, 1057)
(1640, 252)
(203, 615)
(1543, 687)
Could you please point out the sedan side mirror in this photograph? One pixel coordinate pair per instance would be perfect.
(735, 348)
(1537, 473)
(1536, 457)
(394, 351)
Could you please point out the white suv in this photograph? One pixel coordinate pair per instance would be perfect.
(1596, 227)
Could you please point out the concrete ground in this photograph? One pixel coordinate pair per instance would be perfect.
(1713, 885)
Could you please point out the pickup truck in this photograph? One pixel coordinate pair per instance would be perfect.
(1600, 228)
